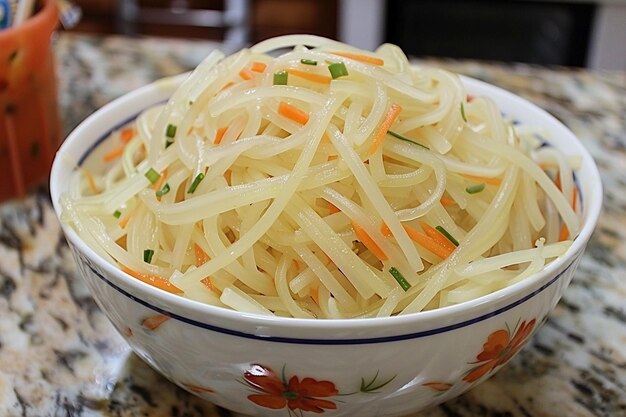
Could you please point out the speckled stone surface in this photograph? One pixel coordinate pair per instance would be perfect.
(60, 357)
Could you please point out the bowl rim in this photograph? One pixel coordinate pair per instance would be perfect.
(463, 312)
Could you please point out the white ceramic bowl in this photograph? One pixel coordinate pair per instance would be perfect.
(370, 367)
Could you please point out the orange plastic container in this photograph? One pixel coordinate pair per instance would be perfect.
(29, 121)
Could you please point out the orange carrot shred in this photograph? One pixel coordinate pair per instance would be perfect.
(122, 242)
(574, 200)
(333, 208)
(293, 113)
(219, 135)
(314, 292)
(127, 134)
(245, 74)
(159, 183)
(564, 233)
(114, 154)
(361, 58)
(427, 242)
(390, 118)
(153, 322)
(207, 282)
(486, 180)
(327, 259)
(369, 242)
(258, 66)
(437, 236)
(316, 78)
(385, 230)
(201, 256)
(124, 221)
(557, 182)
(447, 201)
(154, 280)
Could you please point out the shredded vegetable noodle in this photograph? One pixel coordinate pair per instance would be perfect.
(325, 182)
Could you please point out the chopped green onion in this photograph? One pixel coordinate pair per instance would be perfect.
(308, 62)
(163, 191)
(338, 69)
(400, 278)
(147, 255)
(473, 189)
(168, 143)
(463, 112)
(195, 183)
(281, 77)
(117, 214)
(447, 235)
(404, 138)
(170, 131)
(152, 175)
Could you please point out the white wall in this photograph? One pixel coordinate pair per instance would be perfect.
(362, 24)
(608, 40)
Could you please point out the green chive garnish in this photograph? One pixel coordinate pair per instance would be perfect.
(473, 189)
(152, 175)
(170, 131)
(338, 69)
(404, 138)
(195, 183)
(308, 62)
(168, 143)
(447, 235)
(398, 277)
(117, 214)
(281, 77)
(163, 191)
(147, 255)
(463, 112)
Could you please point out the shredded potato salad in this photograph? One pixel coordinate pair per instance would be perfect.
(321, 181)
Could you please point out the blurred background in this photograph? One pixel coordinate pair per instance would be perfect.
(589, 33)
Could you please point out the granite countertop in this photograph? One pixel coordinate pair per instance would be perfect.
(59, 356)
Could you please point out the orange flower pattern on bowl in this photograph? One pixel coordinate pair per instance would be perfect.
(273, 392)
(499, 348)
